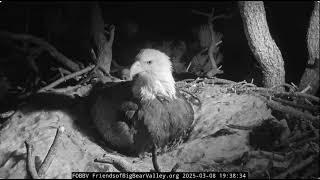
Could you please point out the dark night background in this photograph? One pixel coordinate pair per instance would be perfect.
(288, 24)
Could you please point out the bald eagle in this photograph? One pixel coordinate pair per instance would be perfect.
(132, 116)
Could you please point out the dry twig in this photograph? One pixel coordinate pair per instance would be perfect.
(70, 76)
(175, 167)
(291, 111)
(52, 152)
(295, 168)
(118, 162)
(307, 107)
(31, 158)
(154, 159)
(293, 94)
(269, 155)
(45, 45)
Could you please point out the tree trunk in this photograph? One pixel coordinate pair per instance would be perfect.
(311, 75)
(261, 43)
(103, 45)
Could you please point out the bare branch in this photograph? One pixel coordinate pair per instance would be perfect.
(154, 159)
(222, 16)
(52, 152)
(291, 111)
(306, 89)
(295, 168)
(175, 167)
(45, 45)
(70, 76)
(31, 164)
(294, 94)
(311, 108)
(212, 46)
(118, 162)
(201, 13)
(111, 38)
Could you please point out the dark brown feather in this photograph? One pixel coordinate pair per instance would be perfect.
(132, 126)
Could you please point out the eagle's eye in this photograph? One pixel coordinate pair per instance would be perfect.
(149, 62)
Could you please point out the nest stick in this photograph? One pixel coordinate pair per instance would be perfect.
(291, 111)
(31, 164)
(70, 76)
(307, 107)
(295, 94)
(118, 162)
(175, 167)
(154, 159)
(43, 44)
(295, 168)
(52, 152)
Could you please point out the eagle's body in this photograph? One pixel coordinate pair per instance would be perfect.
(134, 115)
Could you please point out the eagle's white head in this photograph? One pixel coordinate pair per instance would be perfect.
(152, 74)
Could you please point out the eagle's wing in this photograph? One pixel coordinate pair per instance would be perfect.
(113, 111)
(133, 126)
(165, 119)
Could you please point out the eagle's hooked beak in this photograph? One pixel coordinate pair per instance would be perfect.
(135, 69)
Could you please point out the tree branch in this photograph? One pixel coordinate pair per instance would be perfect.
(291, 111)
(222, 16)
(52, 152)
(118, 162)
(45, 45)
(63, 79)
(295, 168)
(154, 159)
(201, 13)
(30, 162)
(111, 38)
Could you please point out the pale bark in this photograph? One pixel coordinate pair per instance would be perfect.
(104, 45)
(261, 43)
(311, 75)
